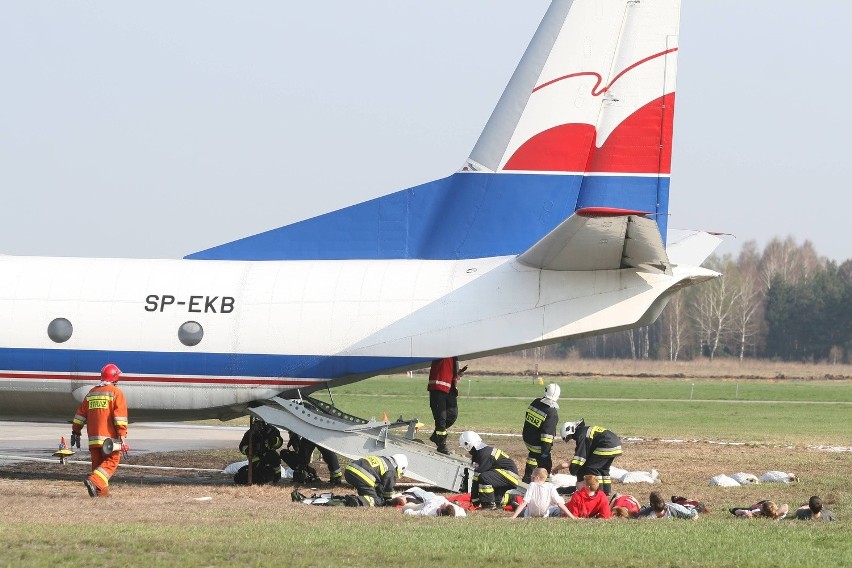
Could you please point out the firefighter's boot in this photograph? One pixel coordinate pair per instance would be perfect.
(531, 465)
(441, 442)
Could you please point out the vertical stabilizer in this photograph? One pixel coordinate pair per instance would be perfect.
(584, 123)
(594, 93)
(593, 96)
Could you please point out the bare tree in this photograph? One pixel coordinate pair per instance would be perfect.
(675, 325)
(787, 260)
(632, 344)
(748, 301)
(750, 294)
(713, 305)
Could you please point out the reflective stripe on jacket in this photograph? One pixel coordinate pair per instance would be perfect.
(444, 375)
(594, 440)
(540, 423)
(377, 471)
(104, 412)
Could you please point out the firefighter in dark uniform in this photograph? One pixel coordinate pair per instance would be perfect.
(298, 457)
(443, 398)
(374, 477)
(264, 439)
(596, 449)
(540, 423)
(495, 472)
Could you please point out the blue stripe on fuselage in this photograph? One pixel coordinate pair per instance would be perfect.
(199, 364)
(466, 215)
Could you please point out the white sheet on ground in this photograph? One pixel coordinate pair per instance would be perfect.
(778, 477)
(745, 478)
(723, 480)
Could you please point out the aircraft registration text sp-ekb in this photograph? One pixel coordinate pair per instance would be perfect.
(194, 304)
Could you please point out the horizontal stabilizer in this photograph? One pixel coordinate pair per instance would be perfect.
(691, 247)
(594, 240)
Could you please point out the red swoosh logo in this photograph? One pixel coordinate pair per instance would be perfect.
(642, 143)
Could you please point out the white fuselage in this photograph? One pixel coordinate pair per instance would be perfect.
(273, 327)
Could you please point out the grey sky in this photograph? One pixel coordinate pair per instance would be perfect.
(157, 129)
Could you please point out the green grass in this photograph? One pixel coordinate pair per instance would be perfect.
(240, 533)
(393, 540)
(602, 387)
(803, 411)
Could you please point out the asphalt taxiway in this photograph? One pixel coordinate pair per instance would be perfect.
(29, 439)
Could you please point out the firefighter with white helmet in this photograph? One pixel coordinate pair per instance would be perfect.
(104, 413)
(494, 473)
(569, 428)
(540, 423)
(595, 451)
(374, 477)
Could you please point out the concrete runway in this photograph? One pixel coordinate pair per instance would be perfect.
(40, 440)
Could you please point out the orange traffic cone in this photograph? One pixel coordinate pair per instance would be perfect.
(63, 452)
(384, 416)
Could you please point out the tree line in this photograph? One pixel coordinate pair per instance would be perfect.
(784, 302)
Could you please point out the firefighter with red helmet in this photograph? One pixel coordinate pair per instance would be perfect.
(104, 413)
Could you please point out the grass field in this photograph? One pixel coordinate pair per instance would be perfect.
(770, 411)
(776, 425)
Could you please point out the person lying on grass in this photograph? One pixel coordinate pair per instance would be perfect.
(624, 506)
(762, 510)
(813, 511)
(420, 502)
(659, 509)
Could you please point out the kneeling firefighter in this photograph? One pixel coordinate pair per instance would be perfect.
(297, 456)
(374, 477)
(495, 472)
(261, 442)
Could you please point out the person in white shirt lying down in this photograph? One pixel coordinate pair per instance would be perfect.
(429, 504)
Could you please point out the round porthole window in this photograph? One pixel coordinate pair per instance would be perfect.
(191, 333)
(60, 330)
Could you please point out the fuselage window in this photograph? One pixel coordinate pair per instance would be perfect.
(190, 333)
(60, 330)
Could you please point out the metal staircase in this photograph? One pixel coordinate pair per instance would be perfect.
(355, 437)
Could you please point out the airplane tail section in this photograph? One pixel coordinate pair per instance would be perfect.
(593, 94)
(594, 239)
(585, 122)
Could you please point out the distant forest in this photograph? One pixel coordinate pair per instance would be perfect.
(785, 302)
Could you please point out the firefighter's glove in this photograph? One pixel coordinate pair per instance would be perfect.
(75, 439)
